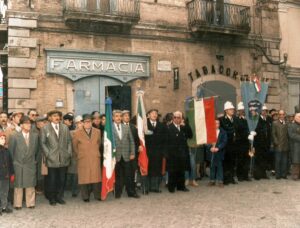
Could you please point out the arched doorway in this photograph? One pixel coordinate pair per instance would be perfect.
(227, 89)
(90, 93)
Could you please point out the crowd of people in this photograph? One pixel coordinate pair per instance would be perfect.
(46, 154)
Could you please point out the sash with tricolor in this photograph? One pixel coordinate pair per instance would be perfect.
(201, 116)
(109, 153)
(142, 128)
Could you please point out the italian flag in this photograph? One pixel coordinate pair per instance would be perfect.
(257, 84)
(142, 128)
(109, 162)
(201, 116)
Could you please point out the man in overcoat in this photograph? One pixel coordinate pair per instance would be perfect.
(57, 148)
(176, 152)
(86, 145)
(281, 145)
(24, 147)
(294, 136)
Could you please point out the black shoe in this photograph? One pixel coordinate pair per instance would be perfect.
(233, 182)
(278, 178)
(117, 196)
(86, 200)
(172, 190)
(183, 189)
(284, 177)
(31, 207)
(18, 208)
(156, 191)
(7, 210)
(136, 196)
(145, 192)
(52, 202)
(60, 201)
(74, 195)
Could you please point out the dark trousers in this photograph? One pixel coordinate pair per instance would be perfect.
(243, 165)
(4, 189)
(260, 165)
(229, 163)
(176, 180)
(281, 166)
(56, 182)
(133, 166)
(86, 190)
(123, 177)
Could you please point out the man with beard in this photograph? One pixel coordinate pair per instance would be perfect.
(262, 142)
(177, 152)
(229, 123)
(155, 146)
(242, 143)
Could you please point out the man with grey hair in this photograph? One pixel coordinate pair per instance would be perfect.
(177, 152)
(281, 145)
(125, 152)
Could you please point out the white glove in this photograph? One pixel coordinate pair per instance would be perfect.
(253, 133)
(251, 137)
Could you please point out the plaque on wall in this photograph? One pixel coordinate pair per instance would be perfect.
(164, 66)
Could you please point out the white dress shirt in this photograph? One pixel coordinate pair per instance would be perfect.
(118, 129)
(56, 128)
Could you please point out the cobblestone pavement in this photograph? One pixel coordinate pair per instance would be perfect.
(267, 203)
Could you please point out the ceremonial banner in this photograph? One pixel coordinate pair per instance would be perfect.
(254, 95)
(142, 128)
(201, 116)
(109, 162)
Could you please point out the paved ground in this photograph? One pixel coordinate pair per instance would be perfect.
(267, 203)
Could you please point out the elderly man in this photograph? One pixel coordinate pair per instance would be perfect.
(125, 152)
(57, 149)
(177, 152)
(86, 145)
(229, 123)
(24, 147)
(294, 136)
(281, 145)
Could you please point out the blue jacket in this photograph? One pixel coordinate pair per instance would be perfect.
(221, 144)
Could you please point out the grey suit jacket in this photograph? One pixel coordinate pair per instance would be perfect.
(24, 158)
(57, 150)
(124, 146)
(280, 137)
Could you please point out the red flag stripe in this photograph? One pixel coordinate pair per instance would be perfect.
(209, 106)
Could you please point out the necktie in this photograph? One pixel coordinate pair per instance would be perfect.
(27, 139)
(178, 127)
(118, 126)
(153, 124)
(56, 127)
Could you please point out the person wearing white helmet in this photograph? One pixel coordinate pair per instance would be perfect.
(242, 142)
(228, 123)
(262, 143)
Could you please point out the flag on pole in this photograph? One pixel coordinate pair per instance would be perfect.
(142, 128)
(257, 84)
(201, 116)
(109, 162)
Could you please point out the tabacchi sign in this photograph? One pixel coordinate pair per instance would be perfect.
(78, 64)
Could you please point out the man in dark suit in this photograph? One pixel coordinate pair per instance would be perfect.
(57, 149)
(176, 152)
(229, 122)
(125, 152)
(155, 145)
(242, 142)
(262, 142)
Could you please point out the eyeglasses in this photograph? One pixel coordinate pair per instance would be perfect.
(177, 117)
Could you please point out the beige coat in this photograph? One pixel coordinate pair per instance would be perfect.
(87, 152)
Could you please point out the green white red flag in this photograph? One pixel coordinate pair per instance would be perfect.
(109, 153)
(142, 128)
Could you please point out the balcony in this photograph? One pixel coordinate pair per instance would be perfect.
(101, 15)
(208, 16)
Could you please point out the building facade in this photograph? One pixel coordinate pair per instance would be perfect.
(71, 54)
(289, 18)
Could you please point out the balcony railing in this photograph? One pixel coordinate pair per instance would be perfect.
(211, 16)
(114, 11)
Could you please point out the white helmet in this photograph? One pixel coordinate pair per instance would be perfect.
(264, 107)
(240, 106)
(228, 105)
